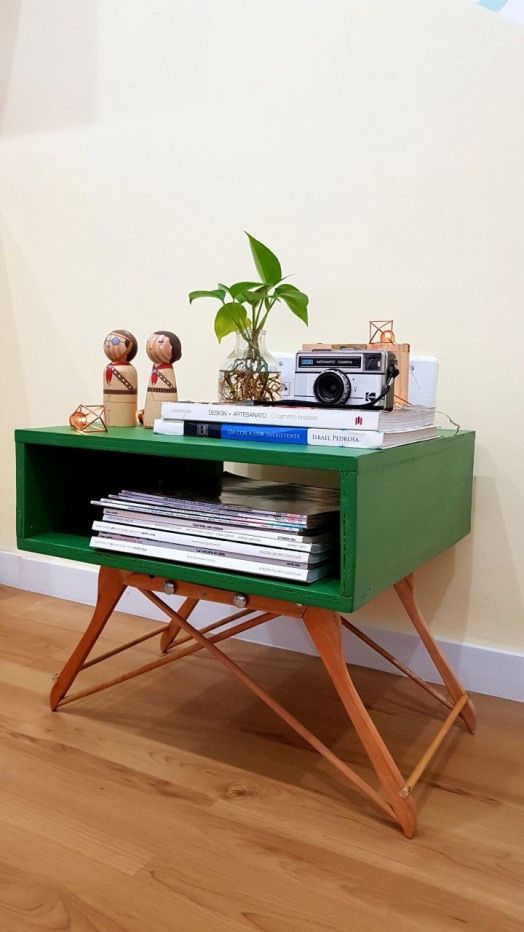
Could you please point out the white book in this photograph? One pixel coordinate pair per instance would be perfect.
(190, 542)
(220, 531)
(401, 418)
(169, 428)
(369, 439)
(318, 436)
(295, 573)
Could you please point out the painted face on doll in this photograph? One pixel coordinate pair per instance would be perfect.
(120, 346)
(163, 347)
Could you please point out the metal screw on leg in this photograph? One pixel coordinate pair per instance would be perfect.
(169, 587)
(240, 600)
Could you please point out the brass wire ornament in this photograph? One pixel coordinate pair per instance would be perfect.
(381, 331)
(89, 419)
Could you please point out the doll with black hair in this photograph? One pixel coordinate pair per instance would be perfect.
(163, 348)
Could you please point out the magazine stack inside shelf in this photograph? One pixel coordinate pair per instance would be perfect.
(250, 526)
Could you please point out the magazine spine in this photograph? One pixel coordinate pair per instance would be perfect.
(281, 538)
(201, 559)
(253, 519)
(231, 547)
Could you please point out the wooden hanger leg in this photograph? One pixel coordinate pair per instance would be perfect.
(170, 635)
(406, 594)
(110, 588)
(325, 631)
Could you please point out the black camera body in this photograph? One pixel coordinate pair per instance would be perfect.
(353, 378)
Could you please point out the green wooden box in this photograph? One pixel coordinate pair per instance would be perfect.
(399, 507)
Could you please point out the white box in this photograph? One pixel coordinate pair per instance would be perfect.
(286, 364)
(423, 377)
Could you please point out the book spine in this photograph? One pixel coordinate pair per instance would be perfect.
(365, 439)
(272, 416)
(211, 429)
(188, 541)
(201, 559)
(265, 433)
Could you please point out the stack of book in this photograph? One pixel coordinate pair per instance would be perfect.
(317, 426)
(249, 526)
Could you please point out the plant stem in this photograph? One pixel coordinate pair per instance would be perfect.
(271, 303)
(255, 315)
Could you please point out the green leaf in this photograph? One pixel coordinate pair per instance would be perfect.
(256, 296)
(267, 264)
(240, 289)
(217, 293)
(230, 317)
(295, 299)
(292, 290)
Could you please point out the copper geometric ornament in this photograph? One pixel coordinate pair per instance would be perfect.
(381, 331)
(89, 419)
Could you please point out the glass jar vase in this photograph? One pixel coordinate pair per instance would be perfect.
(250, 373)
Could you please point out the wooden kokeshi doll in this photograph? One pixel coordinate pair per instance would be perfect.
(163, 348)
(120, 379)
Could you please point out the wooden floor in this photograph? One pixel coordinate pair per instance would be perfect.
(178, 802)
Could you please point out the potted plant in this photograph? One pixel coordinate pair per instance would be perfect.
(250, 372)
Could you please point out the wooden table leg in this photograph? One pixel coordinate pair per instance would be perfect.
(324, 627)
(173, 628)
(294, 723)
(325, 631)
(110, 588)
(406, 592)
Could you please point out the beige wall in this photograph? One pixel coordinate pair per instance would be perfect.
(376, 146)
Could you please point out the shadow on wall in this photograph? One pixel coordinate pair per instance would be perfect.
(35, 344)
(451, 584)
(12, 373)
(15, 403)
(33, 353)
(47, 64)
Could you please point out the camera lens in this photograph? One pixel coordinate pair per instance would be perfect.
(332, 387)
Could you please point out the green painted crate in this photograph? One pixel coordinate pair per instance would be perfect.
(399, 507)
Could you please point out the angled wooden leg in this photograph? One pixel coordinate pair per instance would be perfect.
(170, 634)
(110, 588)
(406, 594)
(325, 631)
(305, 733)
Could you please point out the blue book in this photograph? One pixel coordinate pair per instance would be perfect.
(262, 432)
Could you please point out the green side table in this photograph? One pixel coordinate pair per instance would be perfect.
(399, 508)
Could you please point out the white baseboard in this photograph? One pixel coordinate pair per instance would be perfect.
(481, 669)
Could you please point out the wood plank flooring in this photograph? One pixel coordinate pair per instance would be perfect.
(178, 803)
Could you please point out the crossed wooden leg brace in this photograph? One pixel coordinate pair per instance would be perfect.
(180, 638)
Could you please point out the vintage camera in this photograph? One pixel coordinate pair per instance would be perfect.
(357, 378)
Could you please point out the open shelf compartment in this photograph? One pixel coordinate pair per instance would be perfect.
(398, 507)
(57, 482)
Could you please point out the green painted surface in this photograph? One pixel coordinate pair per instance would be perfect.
(325, 592)
(348, 542)
(140, 440)
(408, 511)
(399, 507)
